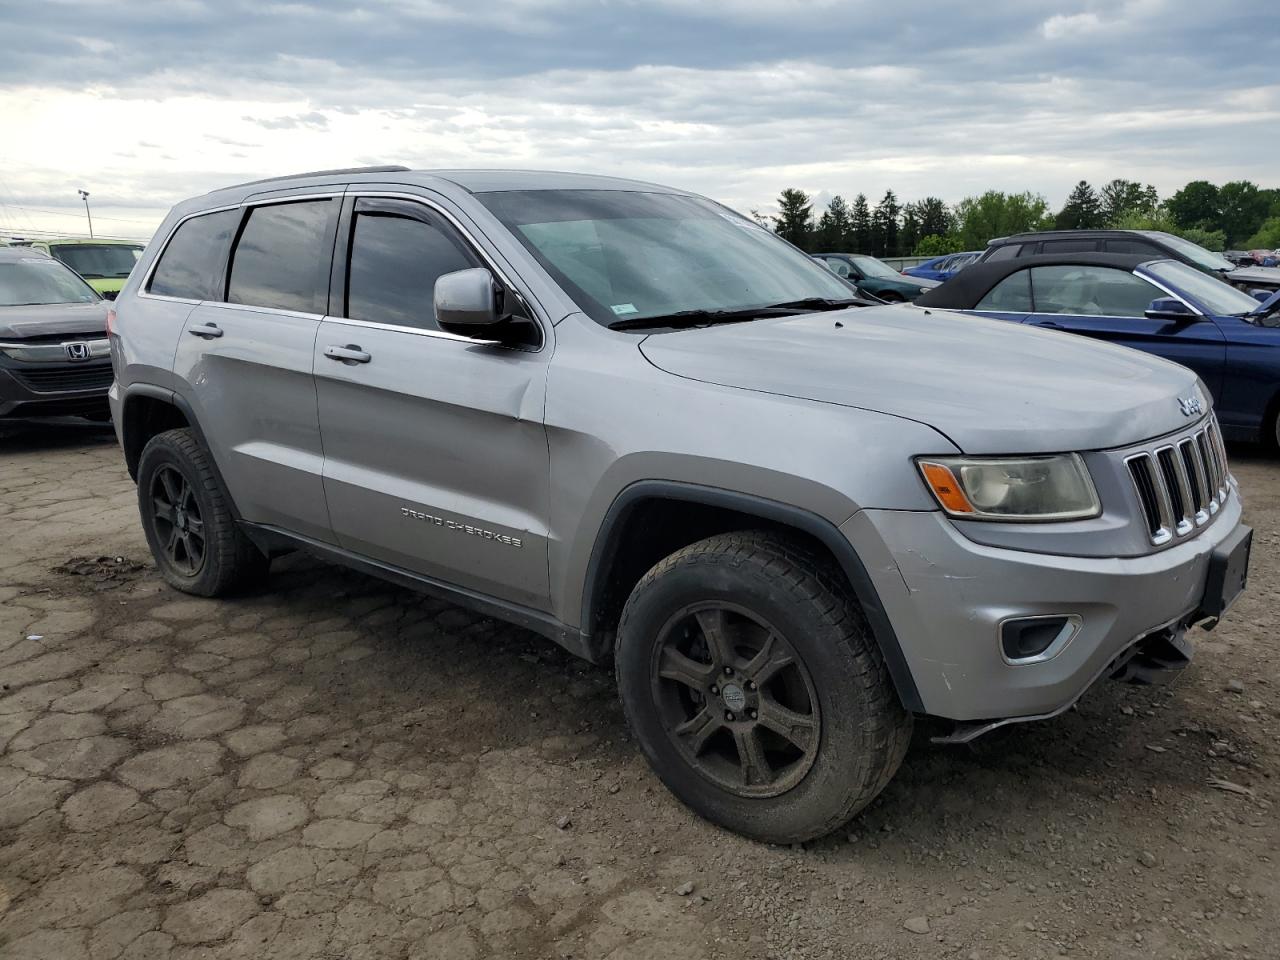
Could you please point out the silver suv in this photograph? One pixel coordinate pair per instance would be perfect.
(631, 420)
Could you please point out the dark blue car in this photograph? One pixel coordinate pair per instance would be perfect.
(1165, 307)
(943, 268)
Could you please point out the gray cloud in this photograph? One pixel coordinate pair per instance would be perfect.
(736, 99)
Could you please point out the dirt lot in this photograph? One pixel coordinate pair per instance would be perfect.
(336, 768)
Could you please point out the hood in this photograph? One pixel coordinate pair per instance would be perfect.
(989, 385)
(1266, 276)
(53, 319)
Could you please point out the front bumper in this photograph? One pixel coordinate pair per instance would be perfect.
(33, 385)
(946, 597)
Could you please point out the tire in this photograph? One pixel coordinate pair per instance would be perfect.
(891, 296)
(187, 518)
(776, 603)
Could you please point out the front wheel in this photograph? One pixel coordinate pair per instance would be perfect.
(187, 519)
(753, 685)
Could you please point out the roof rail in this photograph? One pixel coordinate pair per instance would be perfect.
(388, 168)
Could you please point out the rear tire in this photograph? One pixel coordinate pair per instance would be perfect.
(186, 515)
(752, 683)
(891, 296)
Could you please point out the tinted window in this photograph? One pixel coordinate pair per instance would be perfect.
(395, 261)
(190, 263)
(1010, 295)
(1133, 246)
(282, 257)
(1091, 291)
(1069, 246)
(1007, 252)
(98, 261)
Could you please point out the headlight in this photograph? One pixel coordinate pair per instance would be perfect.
(1012, 488)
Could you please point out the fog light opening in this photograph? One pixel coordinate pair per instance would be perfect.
(1025, 640)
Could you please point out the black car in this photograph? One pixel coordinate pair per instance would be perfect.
(1152, 244)
(55, 359)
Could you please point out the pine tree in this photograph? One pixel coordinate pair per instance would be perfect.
(935, 217)
(794, 221)
(910, 235)
(1120, 197)
(837, 237)
(884, 226)
(860, 225)
(1082, 211)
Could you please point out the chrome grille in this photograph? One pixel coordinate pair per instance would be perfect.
(1181, 485)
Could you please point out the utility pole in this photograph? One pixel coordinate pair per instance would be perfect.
(84, 195)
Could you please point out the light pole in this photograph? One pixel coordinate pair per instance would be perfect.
(84, 195)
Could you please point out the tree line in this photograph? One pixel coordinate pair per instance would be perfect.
(1236, 214)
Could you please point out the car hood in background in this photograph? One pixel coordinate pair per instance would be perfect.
(989, 385)
(53, 319)
(1268, 277)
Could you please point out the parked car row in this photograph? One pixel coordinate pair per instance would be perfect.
(943, 268)
(105, 264)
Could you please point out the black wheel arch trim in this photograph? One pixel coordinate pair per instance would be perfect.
(179, 402)
(609, 536)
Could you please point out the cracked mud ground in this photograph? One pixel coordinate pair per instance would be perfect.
(332, 767)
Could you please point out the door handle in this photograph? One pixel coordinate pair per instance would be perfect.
(351, 353)
(207, 331)
(1049, 323)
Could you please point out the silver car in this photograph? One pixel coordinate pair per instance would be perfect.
(636, 422)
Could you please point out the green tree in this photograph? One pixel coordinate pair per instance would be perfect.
(1243, 208)
(997, 214)
(935, 217)
(935, 245)
(884, 226)
(1267, 237)
(1082, 211)
(794, 221)
(1196, 205)
(835, 227)
(860, 224)
(909, 236)
(1122, 196)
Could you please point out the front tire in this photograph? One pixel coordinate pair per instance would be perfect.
(186, 515)
(751, 680)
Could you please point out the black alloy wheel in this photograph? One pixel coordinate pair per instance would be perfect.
(736, 699)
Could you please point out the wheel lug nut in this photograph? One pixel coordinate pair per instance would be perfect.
(751, 685)
(753, 714)
(728, 671)
(728, 714)
(715, 690)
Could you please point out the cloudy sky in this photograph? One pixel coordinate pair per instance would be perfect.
(146, 103)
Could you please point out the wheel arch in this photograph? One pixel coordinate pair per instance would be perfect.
(650, 519)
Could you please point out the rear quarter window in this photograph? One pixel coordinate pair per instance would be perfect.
(190, 265)
(1007, 251)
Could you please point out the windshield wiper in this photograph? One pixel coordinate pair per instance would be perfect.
(821, 303)
(699, 318)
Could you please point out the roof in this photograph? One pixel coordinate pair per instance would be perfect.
(12, 254)
(474, 181)
(1091, 233)
(970, 285)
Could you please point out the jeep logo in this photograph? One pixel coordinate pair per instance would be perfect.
(79, 350)
(1190, 406)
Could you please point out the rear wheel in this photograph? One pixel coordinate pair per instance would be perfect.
(891, 296)
(186, 515)
(753, 686)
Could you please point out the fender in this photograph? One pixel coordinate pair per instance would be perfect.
(609, 535)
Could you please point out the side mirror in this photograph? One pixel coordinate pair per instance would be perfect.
(1170, 308)
(1262, 296)
(466, 299)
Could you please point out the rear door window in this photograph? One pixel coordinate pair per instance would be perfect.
(398, 251)
(1010, 295)
(190, 266)
(283, 255)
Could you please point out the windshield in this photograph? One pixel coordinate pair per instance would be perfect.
(98, 261)
(627, 255)
(1218, 298)
(1195, 253)
(34, 280)
(871, 267)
